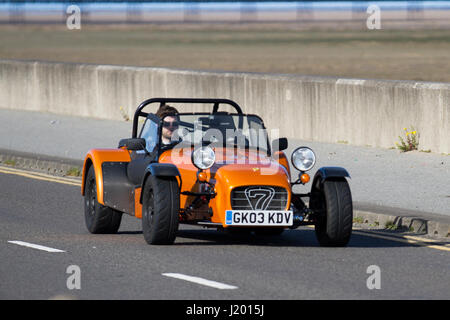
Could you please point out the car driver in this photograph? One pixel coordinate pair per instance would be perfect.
(170, 122)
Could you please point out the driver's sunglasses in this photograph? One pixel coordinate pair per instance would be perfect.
(170, 124)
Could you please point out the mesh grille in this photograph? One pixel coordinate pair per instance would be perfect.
(259, 198)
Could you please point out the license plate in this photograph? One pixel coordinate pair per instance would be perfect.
(258, 218)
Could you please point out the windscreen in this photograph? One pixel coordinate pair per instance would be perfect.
(215, 130)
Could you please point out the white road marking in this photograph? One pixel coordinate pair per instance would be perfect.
(209, 283)
(35, 246)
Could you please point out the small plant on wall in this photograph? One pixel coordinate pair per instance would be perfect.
(410, 141)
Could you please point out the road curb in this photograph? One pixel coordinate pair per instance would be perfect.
(412, 224)
(42, 163)
(364, 218)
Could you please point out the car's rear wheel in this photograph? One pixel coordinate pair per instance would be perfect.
(334, 213)
(98, 218)
(160, 210)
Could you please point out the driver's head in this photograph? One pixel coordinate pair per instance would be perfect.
(169, 115)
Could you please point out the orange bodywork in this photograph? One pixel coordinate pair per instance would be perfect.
(137, 203)
(280, 156)
(233, 168)
(96, 157)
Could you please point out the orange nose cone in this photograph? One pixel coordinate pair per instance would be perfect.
(304, 178)
(202, 176)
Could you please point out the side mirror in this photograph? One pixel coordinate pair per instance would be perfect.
(279, 144)
(133, 144)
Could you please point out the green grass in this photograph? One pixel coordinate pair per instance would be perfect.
(390, 225)
(358, 220)
(74, 172)
(10, 162)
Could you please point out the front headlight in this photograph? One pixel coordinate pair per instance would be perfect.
(203, 158)
(303, 158)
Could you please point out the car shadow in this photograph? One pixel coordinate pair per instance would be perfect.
(304, 237)
(129, 232)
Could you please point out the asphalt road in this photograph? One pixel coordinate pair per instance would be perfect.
(123, 266)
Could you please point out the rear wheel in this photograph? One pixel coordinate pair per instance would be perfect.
(98, 218)
(160, 210)
(334, 211)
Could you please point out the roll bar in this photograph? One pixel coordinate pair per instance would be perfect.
(163, 101)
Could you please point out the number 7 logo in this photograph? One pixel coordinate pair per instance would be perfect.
(259, 198)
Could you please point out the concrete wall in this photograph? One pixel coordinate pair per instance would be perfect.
(360, 112)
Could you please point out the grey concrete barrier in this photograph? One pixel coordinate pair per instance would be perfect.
(325, 109)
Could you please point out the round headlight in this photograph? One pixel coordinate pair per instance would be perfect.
(203, 158)
(303, 158)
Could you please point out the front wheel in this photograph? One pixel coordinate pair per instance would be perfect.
(334, 211)
(160, 210)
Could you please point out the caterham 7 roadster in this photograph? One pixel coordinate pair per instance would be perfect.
(214, 169)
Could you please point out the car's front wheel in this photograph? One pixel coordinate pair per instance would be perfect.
(334, 213)
(98, 218)
(160, 210)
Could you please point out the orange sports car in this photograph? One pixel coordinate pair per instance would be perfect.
(214, 169)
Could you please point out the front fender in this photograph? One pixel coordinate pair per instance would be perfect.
(95, 157)
(160, 170)
(325, 173)
(163, 169)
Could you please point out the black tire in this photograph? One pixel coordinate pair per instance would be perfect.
(334, 223)
(160, 210)
(98, 218)
(269, 231)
